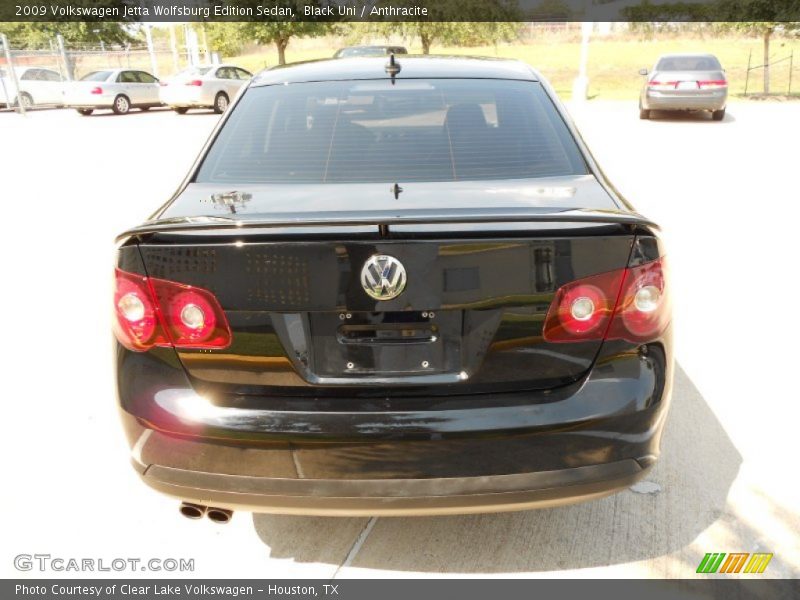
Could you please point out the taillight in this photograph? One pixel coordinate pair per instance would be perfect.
(643, 309)
(96, 90)
(662, 85)
(581, 310)
(195, 82)
(163, 83)
(630, 304)
(156, 312)
(713, 84)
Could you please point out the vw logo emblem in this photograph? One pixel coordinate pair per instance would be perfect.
(383, 277)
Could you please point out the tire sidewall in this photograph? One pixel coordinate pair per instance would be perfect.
(127, 105)
(222, 96)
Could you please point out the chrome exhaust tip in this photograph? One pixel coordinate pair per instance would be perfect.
(192, 511)
(219, 515)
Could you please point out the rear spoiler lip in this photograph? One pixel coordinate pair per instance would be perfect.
(387, 218)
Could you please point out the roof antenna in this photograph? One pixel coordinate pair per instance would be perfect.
(393, 67)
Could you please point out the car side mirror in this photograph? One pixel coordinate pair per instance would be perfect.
(642, 72)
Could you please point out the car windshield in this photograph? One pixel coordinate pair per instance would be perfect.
(412, 130)
(96, 76)
(688, 63)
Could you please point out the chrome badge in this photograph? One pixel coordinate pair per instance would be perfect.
(383, 277)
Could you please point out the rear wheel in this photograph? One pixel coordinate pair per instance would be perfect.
(26, 100)
(122, 105)
(718, 115)
(181, 110)
(644, 113)
(221, 103)
(85, 111)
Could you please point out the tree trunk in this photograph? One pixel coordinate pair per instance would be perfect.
(426, 43)
(281, 44)
(767, 35)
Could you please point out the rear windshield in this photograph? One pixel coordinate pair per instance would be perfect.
(370, 131)
(688, 63)
(96, 76)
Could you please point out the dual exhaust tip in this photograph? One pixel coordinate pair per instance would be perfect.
(197, 511)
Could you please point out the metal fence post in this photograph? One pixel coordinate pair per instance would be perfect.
(63, 52)
(747, 77)
(13, 74)
(173, 44)
(149, 37)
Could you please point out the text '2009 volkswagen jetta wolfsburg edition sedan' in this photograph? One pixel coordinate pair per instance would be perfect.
(393, 287)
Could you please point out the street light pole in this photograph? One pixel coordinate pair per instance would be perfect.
(13, 75)
(580, 87)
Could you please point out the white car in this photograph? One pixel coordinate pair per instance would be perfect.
(115, 89)
(38, 86)
(208, 86)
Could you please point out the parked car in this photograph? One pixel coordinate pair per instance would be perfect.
(386, 291)
(685, 82)
(354, 51)
(117, 89)
(209, 86)
(37, 86)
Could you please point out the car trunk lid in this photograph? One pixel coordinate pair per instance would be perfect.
(288, 271)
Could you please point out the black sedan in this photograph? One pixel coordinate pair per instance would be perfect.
(388, 288)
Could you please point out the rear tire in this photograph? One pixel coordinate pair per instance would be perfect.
(181, 110)
(718, 115)
(26, 100)
(644, 113)
(221, 103)
(85, 111)
(122, 105)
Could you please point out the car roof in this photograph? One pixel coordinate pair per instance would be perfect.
(412, 67)
(686, 54)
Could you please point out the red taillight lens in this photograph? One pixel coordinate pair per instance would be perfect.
(715, 83)
(582, 309)
(662, 85)
(195, 82)
(136, 324)
(643, 310)
(156, 312)
(193, 316)
(630, 304)
(96, 90)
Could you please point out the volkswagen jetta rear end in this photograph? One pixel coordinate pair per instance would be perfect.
(389, 289)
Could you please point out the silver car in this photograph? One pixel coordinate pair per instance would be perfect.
(207, 86)
(37, 86)
(115, 89)
(685, 82)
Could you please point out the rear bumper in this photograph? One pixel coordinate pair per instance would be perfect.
(483, 453)
(395, 497)
(711, 101)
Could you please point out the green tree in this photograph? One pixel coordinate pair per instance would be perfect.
(280, 33)
(36, 35)
(226, 38)
(458, 22)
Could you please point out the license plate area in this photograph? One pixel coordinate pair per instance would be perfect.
(688, 85)
(386, 344)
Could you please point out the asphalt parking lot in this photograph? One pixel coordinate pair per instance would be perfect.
(727, 196)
